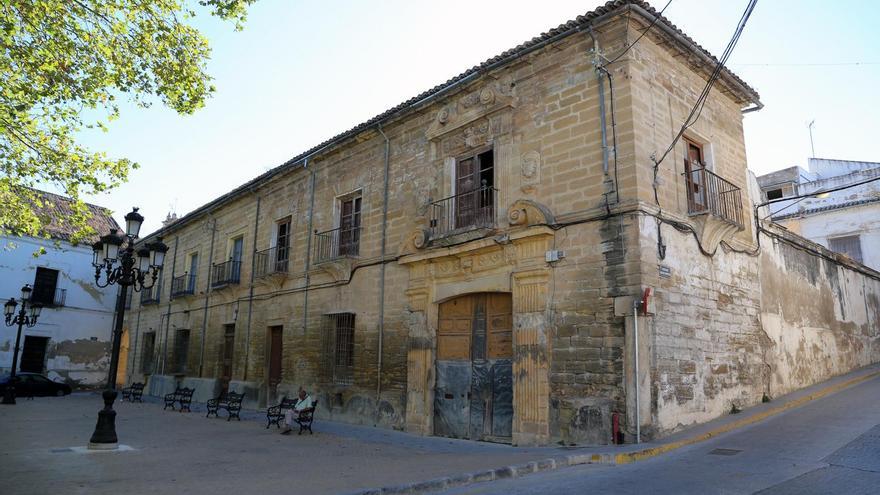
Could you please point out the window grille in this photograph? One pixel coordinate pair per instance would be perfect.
(338, 348)
(849, 246)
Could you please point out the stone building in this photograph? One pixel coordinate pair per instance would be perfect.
(71, 340)
(846, 221)
(473, 262)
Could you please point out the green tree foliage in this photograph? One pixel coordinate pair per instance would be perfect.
(63, 62)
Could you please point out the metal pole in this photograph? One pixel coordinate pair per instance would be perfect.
(636, 365)
(9, 396)
(117, 337)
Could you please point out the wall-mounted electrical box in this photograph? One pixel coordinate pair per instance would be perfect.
(554, 255)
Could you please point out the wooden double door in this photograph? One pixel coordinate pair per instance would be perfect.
(473, 398)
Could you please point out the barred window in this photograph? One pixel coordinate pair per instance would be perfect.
(147, 352)
(181, 350)
(848, 245)
(338, 348)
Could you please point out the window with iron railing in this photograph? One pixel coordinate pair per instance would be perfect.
(272, 261)
(226, 273)
(707, 193)
(183, 285)
(338, 348)
(46, 291)
(151, 295)
(473, 204)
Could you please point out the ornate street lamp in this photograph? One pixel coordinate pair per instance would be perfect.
(126, 268)
(26, 317)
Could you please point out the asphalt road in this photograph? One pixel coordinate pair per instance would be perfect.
(831, 445)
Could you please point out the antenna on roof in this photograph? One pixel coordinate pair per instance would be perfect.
(810, 128)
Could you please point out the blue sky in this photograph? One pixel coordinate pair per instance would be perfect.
(303, 71)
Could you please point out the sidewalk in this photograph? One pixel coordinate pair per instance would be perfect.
(185, 452)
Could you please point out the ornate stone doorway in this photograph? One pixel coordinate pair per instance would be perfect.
(473, 396)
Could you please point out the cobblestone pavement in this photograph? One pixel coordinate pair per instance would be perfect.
(187, 453)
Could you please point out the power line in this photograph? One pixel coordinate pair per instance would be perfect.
(656, 18)
(832, 64)
(701, 101)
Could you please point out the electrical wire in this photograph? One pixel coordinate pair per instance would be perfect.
(656, 18)
(697, 109)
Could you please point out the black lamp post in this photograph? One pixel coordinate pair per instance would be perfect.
(126, 268)
(27, 316)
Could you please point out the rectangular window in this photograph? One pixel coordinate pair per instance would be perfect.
(695, 177)
(181, 350)
(475, 190)
(349, 226)
(282, 245)
(193, 270)
(849, 245)
(774, 194)
(338, 347)
(45, 285)
(147, 352)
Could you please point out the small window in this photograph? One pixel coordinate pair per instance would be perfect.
(147, 352)
(338, 349)
(849, 246)
(774, 194)
(45, 287)
(193, 270)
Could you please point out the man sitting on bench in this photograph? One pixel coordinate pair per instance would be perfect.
(300, 408)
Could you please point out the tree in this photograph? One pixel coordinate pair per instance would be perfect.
(63, 62)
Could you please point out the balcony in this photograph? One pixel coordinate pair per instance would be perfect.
(710, 194)
(223, 274)
(48, 297)
(337, 243)
(184, 285)
(272, 261)
(150, 296)
(465, 211)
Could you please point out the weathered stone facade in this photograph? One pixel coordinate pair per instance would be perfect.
(567, 226)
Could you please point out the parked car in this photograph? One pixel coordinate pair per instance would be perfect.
(35, 385)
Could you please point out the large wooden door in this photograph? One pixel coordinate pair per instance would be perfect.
(275, 334)
(474, 391)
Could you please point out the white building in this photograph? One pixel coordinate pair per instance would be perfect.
(71, 340)
(846, 221)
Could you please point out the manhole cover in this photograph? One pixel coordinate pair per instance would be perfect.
(725, 452)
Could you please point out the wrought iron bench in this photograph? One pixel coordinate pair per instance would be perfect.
(274, 414)
(229, 401)
(305, 418)
(183, 396)
(133, 392)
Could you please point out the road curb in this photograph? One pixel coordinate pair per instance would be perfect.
(552, 463)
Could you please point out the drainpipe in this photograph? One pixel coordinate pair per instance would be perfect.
(168, 311)
(601, 83)
(247, 337)
(207, 297)
(382, 266)
(309, 246)
(636, 368)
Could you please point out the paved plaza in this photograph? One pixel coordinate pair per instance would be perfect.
(186, 453)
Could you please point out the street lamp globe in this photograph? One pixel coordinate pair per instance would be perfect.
(158, 250)
(111, 243)
(143, 259)
(97, 253)
(26, 293)
(35, 311)
(9, 308)
(133, 223)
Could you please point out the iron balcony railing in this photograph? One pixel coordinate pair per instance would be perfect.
(225, 273)
(709, 193)
(183, 285)
(150, 296)
(337, 243)
(464, 211)
(48, 297)
(272, 260)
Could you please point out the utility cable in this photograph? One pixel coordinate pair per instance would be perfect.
(656, 18)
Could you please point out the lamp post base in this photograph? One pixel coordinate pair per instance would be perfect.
(9, 395)
(104, 437)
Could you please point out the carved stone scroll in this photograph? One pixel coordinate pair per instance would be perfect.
(524, 212)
